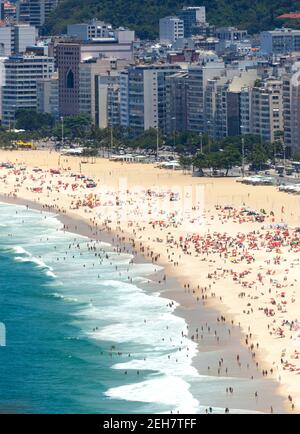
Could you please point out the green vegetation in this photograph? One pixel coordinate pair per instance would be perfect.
(296, 156)
(193, 150)
(185, 162)
(29, 119)
(227, 153)
(38, 126)
(143, 16)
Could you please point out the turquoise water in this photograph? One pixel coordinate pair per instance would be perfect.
(81, 336)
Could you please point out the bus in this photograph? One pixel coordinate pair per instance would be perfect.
(25, 145)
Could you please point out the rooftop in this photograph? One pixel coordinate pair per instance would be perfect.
(291, 15)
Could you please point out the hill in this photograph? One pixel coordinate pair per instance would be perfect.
(255, 15)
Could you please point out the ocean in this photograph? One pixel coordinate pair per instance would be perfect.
(86, 331)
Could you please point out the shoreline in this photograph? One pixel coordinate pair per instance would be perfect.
(211, 280)
(208, 350)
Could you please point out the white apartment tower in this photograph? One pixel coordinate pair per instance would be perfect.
(291, 109)
(14, 38)
(170, 29)
(266, 114)
(20, 89)
(47, 96)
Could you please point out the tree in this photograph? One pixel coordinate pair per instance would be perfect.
(29, 119)
(74, 127)
(146, 140)
(276, 146)
(5, 141)
(296, 155)
(230, 157)
(144, 16)
(185, 162)
(77, 126)
(258, 156)
(200, 162)
(215, 160)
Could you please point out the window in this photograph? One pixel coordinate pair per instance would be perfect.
(70, 79)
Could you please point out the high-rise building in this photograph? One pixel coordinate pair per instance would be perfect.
(35, 12)
(246, 110)
(96, 76)
(2, 81)
(170, 29)
(124, 98)
(230, 34)
(14, 38)
(267, 109)
(280, 41)
(198, 76)
(107, 101)
(234, 107)
(9, 11)
(143, 95)
(191, 16)
(176, 102)
(95, 30)
(47, 96)
(91, 30)
(68, 59)
(291, 109)
(215, 107)
(20, 90)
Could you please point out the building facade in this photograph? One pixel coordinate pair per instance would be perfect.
(280, 41)
(291, 110)
(198, 76)
(14, 38)
(267, 109)
(191, 16)
(20, 89)
(176, 102)
(68, 57)
(96, 76)
(47, 96)
(143, 95)
(34, 12)
(215, 107)
(91, 30)
(170, 29)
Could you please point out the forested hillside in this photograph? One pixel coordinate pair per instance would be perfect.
(143, 16)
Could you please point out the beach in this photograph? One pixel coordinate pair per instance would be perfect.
(242, 270)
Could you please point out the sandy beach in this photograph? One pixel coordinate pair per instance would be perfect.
(233, 248)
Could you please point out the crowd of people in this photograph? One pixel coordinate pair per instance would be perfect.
(257, 258)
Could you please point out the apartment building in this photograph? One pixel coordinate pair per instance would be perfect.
(291, 109)
(14, 38)
(280, 41)
(198, 76)
(143, 95)
(176, 102)
(20, 90)
(47, 96)
(267, 109)
(68, 57)
(191, 16)
(170, 29)
(34, 12)
(98, 86)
